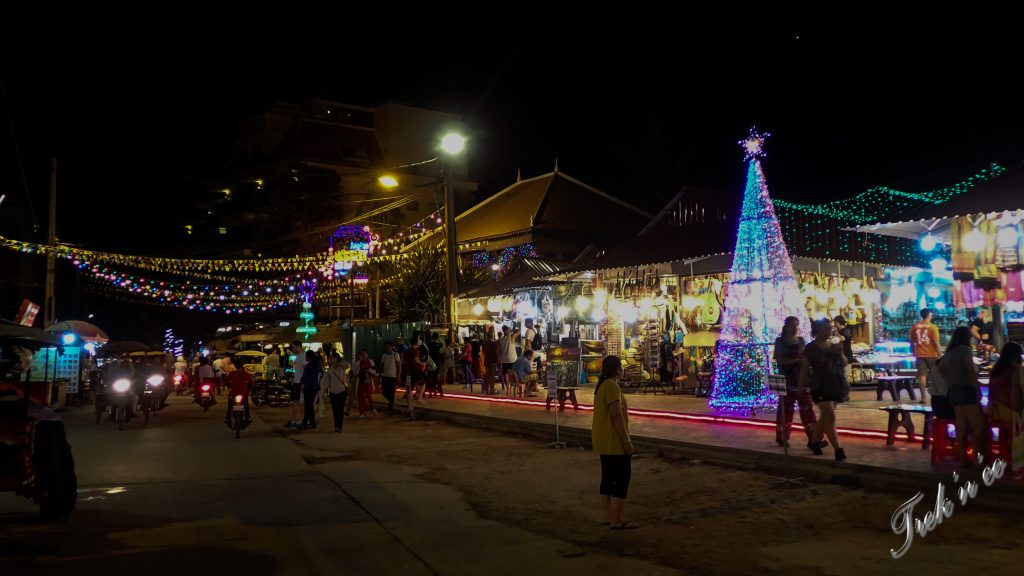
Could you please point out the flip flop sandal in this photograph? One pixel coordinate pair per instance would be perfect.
(626, 526)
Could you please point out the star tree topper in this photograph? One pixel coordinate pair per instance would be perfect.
(753, 145)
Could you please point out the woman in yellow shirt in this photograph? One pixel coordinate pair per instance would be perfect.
(610, 438)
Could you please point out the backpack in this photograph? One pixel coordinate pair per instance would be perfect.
(827, 373)
(537, 342)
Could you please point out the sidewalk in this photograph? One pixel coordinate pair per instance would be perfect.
(743, 441)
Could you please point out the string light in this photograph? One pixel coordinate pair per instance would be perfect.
(169, 265)
(881, 203)
(499, 263)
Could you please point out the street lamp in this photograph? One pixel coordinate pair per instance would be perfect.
(452, 144)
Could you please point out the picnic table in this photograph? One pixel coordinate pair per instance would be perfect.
(894, 384)
(900, 415)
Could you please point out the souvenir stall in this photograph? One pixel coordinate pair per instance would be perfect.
(975, 276)
(628, 313)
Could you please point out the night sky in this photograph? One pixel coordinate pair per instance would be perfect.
(636, 105)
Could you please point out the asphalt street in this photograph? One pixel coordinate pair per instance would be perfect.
(183, 496)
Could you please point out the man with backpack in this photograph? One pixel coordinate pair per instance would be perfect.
(532, 342)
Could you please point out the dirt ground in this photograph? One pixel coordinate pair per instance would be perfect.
(702, 519)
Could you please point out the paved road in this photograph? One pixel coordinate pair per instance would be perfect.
(184, 496)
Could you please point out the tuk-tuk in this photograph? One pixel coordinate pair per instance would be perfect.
(253, 362)
(35, 457)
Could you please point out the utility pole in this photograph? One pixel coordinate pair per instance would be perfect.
(452, 254)
(49, 304)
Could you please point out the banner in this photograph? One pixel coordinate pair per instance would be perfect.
(27, 313)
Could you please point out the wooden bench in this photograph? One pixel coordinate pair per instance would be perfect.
(899, 415)
(894, 384)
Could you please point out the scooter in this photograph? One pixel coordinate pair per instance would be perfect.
(180, 384)
(238, 419)
(152, 397)
(270, 392)
(121, 400)
(205, 396)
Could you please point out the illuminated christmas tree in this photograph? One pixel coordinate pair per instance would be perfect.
(761, 293)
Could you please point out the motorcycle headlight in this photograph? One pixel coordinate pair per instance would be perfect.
(177, 378)
(206, 387)
(238, 399)
(122, 385)
(155, 380)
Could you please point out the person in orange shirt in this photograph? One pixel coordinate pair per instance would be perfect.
(924, 338)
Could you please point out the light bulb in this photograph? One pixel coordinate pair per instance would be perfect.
(929, 242)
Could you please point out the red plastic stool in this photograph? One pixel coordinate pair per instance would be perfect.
(999, 443)
(943, 442)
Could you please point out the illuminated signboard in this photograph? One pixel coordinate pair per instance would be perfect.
(350, 247)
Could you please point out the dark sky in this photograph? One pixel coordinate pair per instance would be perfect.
(634, 104)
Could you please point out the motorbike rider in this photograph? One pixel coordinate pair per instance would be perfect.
(153, 367)
(180, 368)
(204, 375)
(121, 368)
(240, 383)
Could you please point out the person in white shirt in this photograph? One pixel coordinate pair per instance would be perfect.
(531, 332)
(297, 404)
(390, 367)
(218, 372)
(273, 361)
(507, 356)
(335, 383)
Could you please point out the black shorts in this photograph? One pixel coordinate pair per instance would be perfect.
(389, 382)
(941, 408)
(505, 367)
(615, 475)
(296, 391)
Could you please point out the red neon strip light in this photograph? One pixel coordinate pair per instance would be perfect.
(684, 416)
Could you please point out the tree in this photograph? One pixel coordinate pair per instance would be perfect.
(761, 293)
(415, 291)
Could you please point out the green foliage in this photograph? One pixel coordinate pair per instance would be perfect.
(415, 287)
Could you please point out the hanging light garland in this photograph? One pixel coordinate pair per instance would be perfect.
(169, 265)
(881, 202)
(500, 262)
(818, 229)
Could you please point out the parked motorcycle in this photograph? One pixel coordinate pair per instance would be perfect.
(270, 392)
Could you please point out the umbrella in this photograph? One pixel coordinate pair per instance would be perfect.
(26, 336)
(86, 331)
(122, 347)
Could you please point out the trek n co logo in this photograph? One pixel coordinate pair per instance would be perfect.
(904, 523)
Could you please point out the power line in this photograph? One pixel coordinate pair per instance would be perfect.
(17, 149)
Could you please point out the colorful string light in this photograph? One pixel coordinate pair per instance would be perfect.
(504, 259)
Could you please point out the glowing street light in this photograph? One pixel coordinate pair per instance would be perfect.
(388, 181)
(453, 143)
